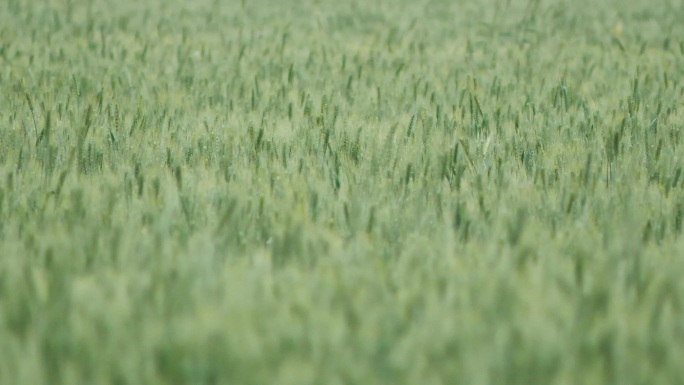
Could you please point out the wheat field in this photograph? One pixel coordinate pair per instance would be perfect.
(328, 192)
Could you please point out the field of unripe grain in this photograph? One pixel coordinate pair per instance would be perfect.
(330, 192)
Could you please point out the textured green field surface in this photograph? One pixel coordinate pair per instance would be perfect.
(341, 192)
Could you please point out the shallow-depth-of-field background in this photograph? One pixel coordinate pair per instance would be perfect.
(341, 192)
